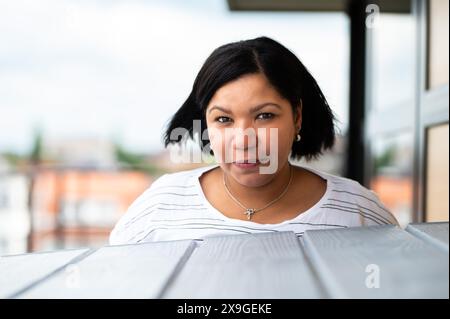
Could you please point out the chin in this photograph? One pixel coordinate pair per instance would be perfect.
(252, 180)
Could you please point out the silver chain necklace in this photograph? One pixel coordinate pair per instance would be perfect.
(250, 211)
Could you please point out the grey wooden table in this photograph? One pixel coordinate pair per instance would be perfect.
(362, 262)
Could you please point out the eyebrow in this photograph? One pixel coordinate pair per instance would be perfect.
(252, 110)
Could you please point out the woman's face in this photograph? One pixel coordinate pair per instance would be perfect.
(248, 120)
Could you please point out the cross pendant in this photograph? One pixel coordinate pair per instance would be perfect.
(249, 212)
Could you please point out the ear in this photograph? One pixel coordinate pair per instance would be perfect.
(298, 116)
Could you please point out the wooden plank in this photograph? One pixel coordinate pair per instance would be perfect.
(349, 262)
(433, 233)
(20, 271)
(126, 271)
(268, 265)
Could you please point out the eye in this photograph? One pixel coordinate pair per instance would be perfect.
(222, 119)
(265, 116)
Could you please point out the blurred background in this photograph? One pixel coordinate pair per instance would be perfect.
(87, 87)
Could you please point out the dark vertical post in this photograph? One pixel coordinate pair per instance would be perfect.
(420, 10)
(355, 151)
(32, 180)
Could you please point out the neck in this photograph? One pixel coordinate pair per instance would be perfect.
(256, 197)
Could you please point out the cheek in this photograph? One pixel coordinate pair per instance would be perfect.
(217, 141)
(214, 137)
(276, 139)
(286, 138)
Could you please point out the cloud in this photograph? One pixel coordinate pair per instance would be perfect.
(100, 68)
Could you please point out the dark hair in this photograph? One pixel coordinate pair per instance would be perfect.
(285, 73)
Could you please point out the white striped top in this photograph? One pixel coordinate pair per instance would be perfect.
(174, 207)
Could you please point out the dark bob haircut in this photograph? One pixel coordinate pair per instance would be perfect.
(284, 72)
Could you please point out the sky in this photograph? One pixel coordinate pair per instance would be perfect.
(120, 69)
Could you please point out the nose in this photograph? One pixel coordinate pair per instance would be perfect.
(245, 137)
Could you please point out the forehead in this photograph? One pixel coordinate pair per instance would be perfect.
(245, 92)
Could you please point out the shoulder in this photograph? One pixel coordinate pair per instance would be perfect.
(181, 177)
(176, 188)
(181, 180)
(350, 201)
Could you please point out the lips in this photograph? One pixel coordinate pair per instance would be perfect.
(247, 162)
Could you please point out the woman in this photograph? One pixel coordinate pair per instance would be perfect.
(255, 86)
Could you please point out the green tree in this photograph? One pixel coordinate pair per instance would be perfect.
(37, 148)
(135, 161)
